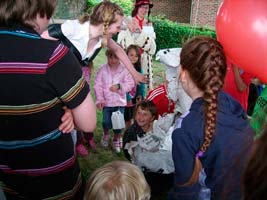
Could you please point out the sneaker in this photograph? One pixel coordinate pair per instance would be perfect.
(81, 149)
(105, 140)
(120, 141)
(116, 146)
(92, 144)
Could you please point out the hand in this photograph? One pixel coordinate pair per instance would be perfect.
(138, 99)
(114, 88)
(133, 26)
(141, 78)
(67, 124)
(100, 106)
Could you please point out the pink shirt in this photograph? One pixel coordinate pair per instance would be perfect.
(105, 78)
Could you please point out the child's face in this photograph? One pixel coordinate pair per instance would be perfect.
(113, 61)
(143, 118)
(133, 56)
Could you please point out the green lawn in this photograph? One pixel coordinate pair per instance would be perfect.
(100, 156)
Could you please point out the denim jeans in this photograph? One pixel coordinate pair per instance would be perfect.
(106, 121)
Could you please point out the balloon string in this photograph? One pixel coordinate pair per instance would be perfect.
(194, 20)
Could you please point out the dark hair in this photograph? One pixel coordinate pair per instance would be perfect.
(135, 11)
(25, 11)
(254, 179)
(147, 105)
(204, 59)
(137, 65)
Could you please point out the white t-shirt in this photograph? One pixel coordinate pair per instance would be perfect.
(78, 34)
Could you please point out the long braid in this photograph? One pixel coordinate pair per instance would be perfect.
(105, 13)
(214, 85)
(205, 61)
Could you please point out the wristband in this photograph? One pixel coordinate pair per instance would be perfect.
(119, 86)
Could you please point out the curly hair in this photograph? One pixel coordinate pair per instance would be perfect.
(204, 59)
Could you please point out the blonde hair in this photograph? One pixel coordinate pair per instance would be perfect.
(117, 180)
(103, 13)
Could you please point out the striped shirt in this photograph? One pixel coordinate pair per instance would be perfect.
(37, 78)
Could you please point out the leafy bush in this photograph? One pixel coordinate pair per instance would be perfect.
(171, 34)
(126, 5)
(91, 4)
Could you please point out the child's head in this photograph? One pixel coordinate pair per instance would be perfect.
(203, 68)
(134, 54)
(108, 14)
(113, 60)
(117, 180)
(145, 113)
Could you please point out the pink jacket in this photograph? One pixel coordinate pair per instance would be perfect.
(104, 79)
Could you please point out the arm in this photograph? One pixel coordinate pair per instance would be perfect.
(46, 35)
(127, 83)
(138, 77)
(99, 86)
(85, 115)
(67, 123)
(68, 84)
(240, 84)
(183, 158)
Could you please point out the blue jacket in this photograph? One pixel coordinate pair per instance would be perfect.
(225, 158)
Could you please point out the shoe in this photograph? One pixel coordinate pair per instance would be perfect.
(120, 141)
(92, 144)
(116, 146)
(105, 140)
(81, 149)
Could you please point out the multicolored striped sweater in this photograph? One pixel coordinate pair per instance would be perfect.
(37, 78)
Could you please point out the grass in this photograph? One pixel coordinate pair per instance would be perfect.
(101, 156)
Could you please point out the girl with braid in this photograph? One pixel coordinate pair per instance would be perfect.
(214, 134)
(85, 38)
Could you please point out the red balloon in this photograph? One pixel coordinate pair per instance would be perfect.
(241, 27)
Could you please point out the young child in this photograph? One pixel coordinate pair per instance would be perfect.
(214, 133)
(145, 113)
(138, 93)
(112, 82)
(117, 180)
(155, 161)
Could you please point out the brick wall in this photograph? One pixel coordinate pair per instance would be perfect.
(197, 12)
(175, 10)
(204, 12)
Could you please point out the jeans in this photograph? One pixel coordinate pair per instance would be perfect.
(106, 121)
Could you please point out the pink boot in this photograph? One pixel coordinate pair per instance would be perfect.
(81, 149)
(92, 144)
